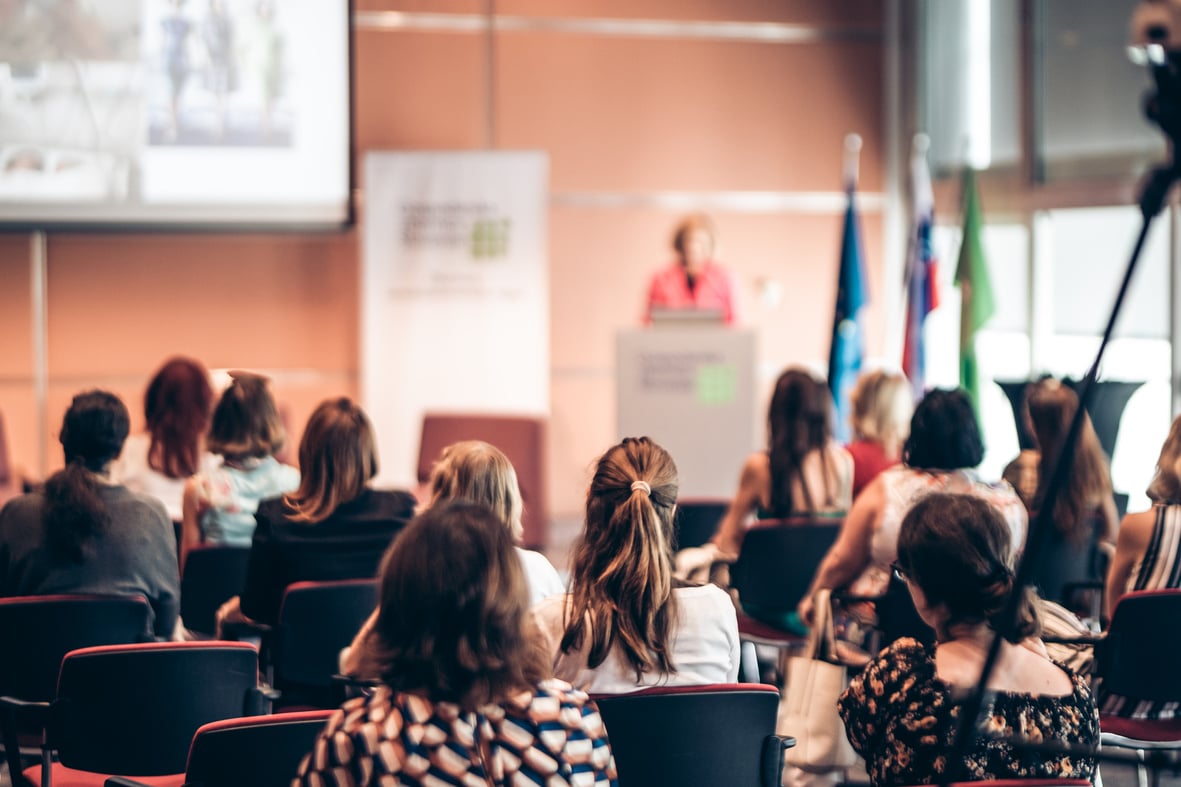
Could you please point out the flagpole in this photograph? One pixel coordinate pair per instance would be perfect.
(852, 159)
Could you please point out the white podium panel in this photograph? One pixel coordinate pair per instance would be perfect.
(691, 389)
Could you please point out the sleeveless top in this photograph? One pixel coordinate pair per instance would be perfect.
(905, 486)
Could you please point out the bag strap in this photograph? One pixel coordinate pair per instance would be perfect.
(822, 641)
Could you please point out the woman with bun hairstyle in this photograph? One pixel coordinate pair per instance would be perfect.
(177, 407)
(246, 431)
(83, 533)
(902, 713)
(626, 621)
(465, 696)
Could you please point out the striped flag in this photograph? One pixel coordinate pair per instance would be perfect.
(848, 334)
(922, 280)
(971, 273)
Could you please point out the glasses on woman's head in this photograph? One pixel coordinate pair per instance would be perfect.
(899, 572)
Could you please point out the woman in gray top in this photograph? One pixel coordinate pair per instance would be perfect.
(84, 534)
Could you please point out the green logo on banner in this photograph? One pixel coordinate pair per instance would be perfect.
(490, 238)
(717, 383)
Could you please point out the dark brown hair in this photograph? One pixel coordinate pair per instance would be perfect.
(452, 619)
(246, 422)
(958, 550)
(622, 578)
(337, 459)
(798, 422)
(92, 434)
(177, 407)
(1051, 407)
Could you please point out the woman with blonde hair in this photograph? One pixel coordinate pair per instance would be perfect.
(333, 526)
(882, 406)
(246, 431)
(626, 621)
(465, 697)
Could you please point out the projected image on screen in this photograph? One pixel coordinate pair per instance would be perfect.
(218, 74)
(174, 112)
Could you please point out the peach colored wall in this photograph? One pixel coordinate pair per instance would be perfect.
(628, 116)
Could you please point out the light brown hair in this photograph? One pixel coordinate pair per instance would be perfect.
(1166, 484)
(696, 221)
(475, 471)
(621, 585)
(246, 422)
(337, 459)
(452, 618)
(882, 406)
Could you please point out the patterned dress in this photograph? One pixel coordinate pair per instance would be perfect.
(902, 719)
(552, 736)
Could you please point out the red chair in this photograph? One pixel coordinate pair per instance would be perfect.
(253, 751)
(773, 572)
(132, 710)
(521, 438)
(678, 735)
(1137, 659)
(39, 631)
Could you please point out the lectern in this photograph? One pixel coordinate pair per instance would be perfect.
(690, 388)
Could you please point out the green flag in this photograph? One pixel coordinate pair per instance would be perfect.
(971, 274)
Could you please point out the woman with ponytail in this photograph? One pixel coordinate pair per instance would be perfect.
(84, 534)
(626, 621)
(903, 711)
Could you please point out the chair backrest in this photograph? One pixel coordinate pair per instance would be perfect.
(521, 438)
(316, 621)
(1138, 656)
(1024, 783)
(692, 734)
(132, 710)
(254, 751)
(213, 574)
(697, 520)
(777, 560)
(38, 631)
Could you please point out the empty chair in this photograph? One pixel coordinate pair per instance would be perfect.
(773, 571)
(695, 735)
(316, 621)
(212, 575)
(253, 751)
(697, 520)
(521, 438)
(1136, 668)
(38, 631)
(132, 710)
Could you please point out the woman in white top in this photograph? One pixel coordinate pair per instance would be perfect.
(177, 408)
(626, 621)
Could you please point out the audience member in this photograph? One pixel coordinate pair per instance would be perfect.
(177, 407)
(219, 502)
(803, 471)
(332, 527)
(902, 713)
(1148, 549)
(694, 280)
(627, 621)
(1085, 508)
(477, 472)
(83, 533)
(882, 406)
(943, 445)
(464, 698)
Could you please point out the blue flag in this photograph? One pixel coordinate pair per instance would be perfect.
(848, 334)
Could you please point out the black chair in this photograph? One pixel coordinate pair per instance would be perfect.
(38, 632)
(773, 572)
(1137, 660)
(213, 574)
(132, 710)
(316, 621)
(253, 751)
(696, 735)
(697, 520)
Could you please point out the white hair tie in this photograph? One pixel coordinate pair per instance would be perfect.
(643, 485)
